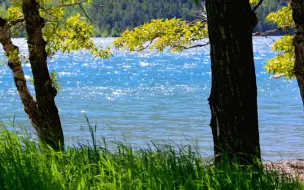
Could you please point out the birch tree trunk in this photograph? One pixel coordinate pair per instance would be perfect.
(14, 63)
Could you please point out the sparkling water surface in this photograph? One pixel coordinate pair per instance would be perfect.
(152, 96)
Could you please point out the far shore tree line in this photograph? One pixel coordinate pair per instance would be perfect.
(128, 14)
(229, 25)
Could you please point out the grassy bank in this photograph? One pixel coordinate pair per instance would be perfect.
(23, 165)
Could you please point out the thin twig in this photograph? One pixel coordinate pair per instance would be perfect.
(143, 48)
(85, 13)
(194, 46)
(82, 2)
(71, 4)
(266, 33)
(257, 5)
(196, 20)
(198, 45)
(102, 6)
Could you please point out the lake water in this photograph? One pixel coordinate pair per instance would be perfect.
(151, 96)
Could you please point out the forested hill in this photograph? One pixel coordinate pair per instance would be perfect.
(127, 14)
(123, 14)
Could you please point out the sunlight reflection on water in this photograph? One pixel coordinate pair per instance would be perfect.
(159, 96)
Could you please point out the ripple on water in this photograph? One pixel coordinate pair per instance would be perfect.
(158, 96)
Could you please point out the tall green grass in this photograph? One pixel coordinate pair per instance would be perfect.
(25, 165)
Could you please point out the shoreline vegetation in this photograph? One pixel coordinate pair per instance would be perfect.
(28, 165)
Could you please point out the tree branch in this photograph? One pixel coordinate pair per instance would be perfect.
(194, 46)
(266, 33)
(198, 45)
(2, 22)
(196, 20)
(8, 25)
(278, 76)
(82, 2)
(80, 5)
(257, 5)
(17, 21)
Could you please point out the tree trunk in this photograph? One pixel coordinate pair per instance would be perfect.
(50, 131)
(233, 98)
(298, 17)
(14, 63)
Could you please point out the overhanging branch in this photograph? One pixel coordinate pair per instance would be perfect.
(190, 47)
(280, 29)
(197, 45)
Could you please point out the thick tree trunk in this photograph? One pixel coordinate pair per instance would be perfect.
(298, 17)
(233, 99)
(51, 130)
(14, 63)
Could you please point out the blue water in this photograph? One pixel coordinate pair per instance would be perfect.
(151, 96)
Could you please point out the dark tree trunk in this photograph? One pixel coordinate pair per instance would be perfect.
(233, 99)
(298, 17)
(50, 130)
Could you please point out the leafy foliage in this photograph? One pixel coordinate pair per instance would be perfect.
(263, 10)
(70, 35)
(283, 64)
(55, 82)
(62, 33)
(67, 30)
(14, 13)
(282, 17)
(178, 35)
(159, 34)
(253, 1)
